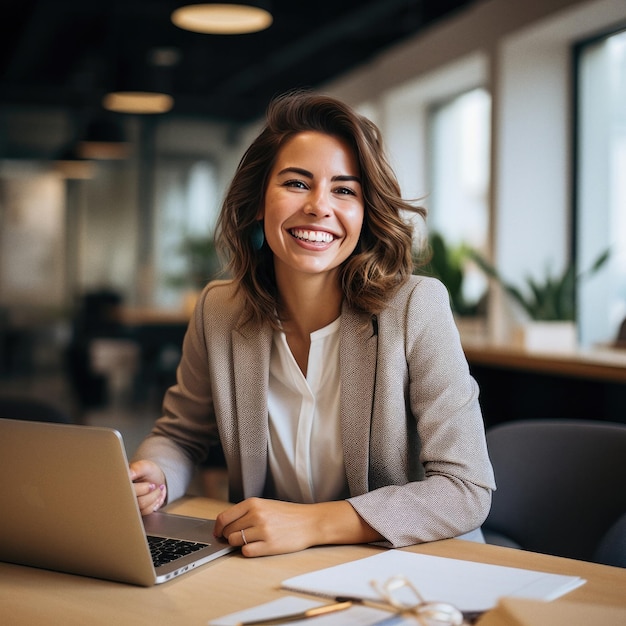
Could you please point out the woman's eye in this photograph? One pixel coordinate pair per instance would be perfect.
(298, 184)
(345, 191)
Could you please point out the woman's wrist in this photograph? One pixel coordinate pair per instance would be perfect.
(339, 523)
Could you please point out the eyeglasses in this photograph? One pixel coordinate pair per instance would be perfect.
(400, 594)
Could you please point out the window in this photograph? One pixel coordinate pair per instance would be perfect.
(459, 163)
(186, 210)
(601, 185)
(32, 241)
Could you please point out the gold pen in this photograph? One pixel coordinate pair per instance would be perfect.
(293, 617)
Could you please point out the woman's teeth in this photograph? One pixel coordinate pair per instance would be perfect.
(312, 235)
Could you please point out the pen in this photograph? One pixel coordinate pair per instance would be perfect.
(292, 617)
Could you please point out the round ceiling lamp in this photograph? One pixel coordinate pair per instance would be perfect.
(69, 164)
(103, 139)
(139, 102)
(222, 19)
(140, 87)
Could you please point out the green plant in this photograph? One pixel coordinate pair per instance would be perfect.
(553, 299)
(447, 263)
(202, 262)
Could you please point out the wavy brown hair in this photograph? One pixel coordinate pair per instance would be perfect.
(382, 259)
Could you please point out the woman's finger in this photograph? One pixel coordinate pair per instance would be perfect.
(229, 517)
(150, 497)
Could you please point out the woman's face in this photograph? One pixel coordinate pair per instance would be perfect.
(313, 209)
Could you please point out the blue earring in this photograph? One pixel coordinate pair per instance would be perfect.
(257, 237)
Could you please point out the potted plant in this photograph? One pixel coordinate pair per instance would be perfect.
(448, 263)
(202, 263)
(550, 304)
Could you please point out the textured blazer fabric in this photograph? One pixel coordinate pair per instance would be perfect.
(412, 430)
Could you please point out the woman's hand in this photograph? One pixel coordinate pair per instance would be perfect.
(275, 527)
(149, 482)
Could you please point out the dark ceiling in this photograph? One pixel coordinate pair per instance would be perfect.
(67, 53)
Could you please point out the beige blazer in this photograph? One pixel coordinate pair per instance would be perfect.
(412, 431)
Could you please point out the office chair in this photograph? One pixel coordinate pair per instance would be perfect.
(560, 485)
(612, 547)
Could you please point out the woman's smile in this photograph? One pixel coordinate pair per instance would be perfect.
(313, 210)
(312, 236)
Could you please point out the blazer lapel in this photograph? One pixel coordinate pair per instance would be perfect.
(357, 361)
(358, 350)
(251, 356)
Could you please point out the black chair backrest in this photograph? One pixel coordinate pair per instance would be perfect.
(560, 484)
(612, 548)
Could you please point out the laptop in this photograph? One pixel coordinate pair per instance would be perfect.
(68, 505)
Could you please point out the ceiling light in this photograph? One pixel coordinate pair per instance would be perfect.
(69, 164)
(222, 19)
(142, 85)
(141, 102)
(104, 139)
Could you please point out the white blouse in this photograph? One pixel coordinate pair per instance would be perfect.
(305, 452)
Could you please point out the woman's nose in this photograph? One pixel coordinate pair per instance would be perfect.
(318, 204)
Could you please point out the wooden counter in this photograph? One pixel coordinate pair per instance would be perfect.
(608, 364)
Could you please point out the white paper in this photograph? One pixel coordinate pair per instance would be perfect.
(354, 616)
(467, 585)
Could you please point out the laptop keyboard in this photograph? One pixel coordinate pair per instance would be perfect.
(165, 550)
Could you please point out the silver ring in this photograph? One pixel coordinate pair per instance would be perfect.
(243, 536)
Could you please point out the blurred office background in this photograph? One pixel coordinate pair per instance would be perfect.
(506, 118)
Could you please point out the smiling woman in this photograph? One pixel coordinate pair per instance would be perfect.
(313, 214)
(382, 258)
(332, 377)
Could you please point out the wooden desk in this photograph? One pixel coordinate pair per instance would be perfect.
(31, 596)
